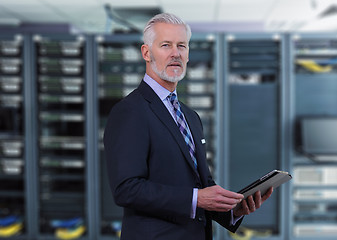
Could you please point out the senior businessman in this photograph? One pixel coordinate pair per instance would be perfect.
(156, 155)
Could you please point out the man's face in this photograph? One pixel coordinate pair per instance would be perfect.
(169, 52)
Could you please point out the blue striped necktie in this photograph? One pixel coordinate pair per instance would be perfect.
(183, 127)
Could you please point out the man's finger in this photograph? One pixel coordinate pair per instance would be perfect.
(251, 204)
(245, 207)
(257, 199)
(230, 194)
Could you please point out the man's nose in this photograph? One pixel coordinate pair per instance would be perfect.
(175, 52)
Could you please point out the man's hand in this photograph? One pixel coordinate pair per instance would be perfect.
(216, 198)
(250, 204)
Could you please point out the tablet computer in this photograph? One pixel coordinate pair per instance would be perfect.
(272, 179)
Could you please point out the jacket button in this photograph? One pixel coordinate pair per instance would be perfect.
(200, 219)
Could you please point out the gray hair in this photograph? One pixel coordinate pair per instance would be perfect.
(149, 34)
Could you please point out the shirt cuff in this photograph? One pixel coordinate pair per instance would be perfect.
(234, 220)
(194, 203)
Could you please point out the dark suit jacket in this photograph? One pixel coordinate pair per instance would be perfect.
(151, 173)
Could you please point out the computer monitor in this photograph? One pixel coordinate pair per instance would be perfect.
(319, 135)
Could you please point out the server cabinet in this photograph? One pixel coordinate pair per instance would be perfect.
(253, 89)
(313, 211)
(59, 63)
(120, 68)
(12, 137)
(198, 89)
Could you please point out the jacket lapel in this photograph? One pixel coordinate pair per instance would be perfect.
(165, 117)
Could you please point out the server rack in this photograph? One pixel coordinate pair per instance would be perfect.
(119, 69)
(312, 210)
(103, 69)
(13, 218)
(60, 130)
(198, 90)
(255, 109)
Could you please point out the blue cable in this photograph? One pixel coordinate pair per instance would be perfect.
(6, 221)
(66, 223)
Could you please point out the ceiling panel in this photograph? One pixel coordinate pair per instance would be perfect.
(301, 9)
(190, 3)
(20, 2)
(131, 3)
(289, 15)
(46, 17)
(33, 12)
(81, 11)
(7, 19)
(321, 25)
(93, 22)
(71, 2)
(274, 15)
(199, 11)
(244, 10)
(4, 13)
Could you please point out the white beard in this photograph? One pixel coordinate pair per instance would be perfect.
(163, 75)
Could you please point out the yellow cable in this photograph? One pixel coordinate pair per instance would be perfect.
(10, 230)
(247, 234)
(313, 66)
(64, 233)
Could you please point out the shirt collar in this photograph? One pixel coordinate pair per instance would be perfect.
(157, 88)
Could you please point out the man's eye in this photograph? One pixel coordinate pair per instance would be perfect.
(182, 46)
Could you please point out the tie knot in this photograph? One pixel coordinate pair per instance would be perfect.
(173, 98)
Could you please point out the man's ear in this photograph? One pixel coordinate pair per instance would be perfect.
(145, 52)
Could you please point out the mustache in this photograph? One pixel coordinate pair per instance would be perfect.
(175, 61)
